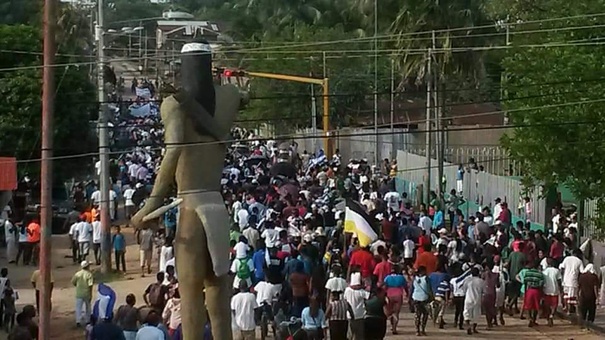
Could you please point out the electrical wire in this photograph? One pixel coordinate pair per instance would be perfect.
(399, 51)
(293, 136)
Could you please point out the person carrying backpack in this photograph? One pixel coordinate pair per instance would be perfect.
(155, 294)
(242, 267)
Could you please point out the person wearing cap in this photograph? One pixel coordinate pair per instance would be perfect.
(356, 296)
(238, 265)
(83, 281)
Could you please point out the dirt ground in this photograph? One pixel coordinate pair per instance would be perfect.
(63, 298)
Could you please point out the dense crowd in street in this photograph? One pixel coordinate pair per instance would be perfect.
(321, 248)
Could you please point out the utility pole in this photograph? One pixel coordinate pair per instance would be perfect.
(46, 176)
(393, 155)
(377, 148)
(103, 146)
(314, 118)
(439, 145)
(428, 129)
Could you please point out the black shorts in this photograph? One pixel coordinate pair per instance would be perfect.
(513, 288)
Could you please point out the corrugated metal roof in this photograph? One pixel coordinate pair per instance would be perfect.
(8, 173)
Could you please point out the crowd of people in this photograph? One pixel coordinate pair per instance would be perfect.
(302, 270)
(298, 272)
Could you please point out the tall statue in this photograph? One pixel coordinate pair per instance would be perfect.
(197, 121)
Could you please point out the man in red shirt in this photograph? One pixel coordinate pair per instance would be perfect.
(426, 259)
(388, 226)
(423, 240)
(362, 258)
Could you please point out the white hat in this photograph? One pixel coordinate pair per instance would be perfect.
(84, 264)
(308, 238)
(308, 216)
(442, 231)
(355, 279)
(139, 185)
(498, 222)
(320, 231)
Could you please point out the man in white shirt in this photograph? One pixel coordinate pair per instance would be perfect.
(84, 239)
(242, 309)
(425, 222)
(10, 236)
(408, 250)
(242, 218)
(129, 208)
(497, 208)
(556, 223)
(356, 296)
(571, 266)
(473, 292)
(112, 204)
(95, 197)
(96, 238)
(551, 289)
(73, 238)
(271, 236)
(393, 199)
(132, 172)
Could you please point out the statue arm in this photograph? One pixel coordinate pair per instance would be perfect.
(174, 139)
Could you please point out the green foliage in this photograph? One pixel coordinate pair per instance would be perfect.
(288, 104)
(20, 114)
(558, 142)
(15, 12)
(414, 25)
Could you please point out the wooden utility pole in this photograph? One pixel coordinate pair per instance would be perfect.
(46, 176)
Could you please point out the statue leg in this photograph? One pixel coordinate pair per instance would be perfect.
(217, 290)
(192, 267)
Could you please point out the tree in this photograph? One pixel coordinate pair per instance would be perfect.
(287, 105)
(20, 114)
(15, 12)
(556, 140)
(452, 23)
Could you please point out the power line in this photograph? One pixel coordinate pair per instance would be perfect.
(398, 51)
(292, 136)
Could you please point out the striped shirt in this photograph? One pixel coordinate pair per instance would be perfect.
(442, 289)
(533, 278)
(339, 309)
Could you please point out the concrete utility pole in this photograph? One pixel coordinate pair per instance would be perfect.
(103, 146)
(393, 149)
(439, 145)
(428, 130)
(314, 118)
(377, 148)
(46, 176)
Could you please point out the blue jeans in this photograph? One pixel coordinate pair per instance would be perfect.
(130, 335)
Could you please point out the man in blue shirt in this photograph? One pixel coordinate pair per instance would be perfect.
(119, 247)
(259, 261)
(170, 222)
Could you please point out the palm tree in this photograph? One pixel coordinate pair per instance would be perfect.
(455, 26)
(74, 31)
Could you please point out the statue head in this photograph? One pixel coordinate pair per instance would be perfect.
(196, 73)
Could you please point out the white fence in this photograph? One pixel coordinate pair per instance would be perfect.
(357, 143)
(479, 188)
